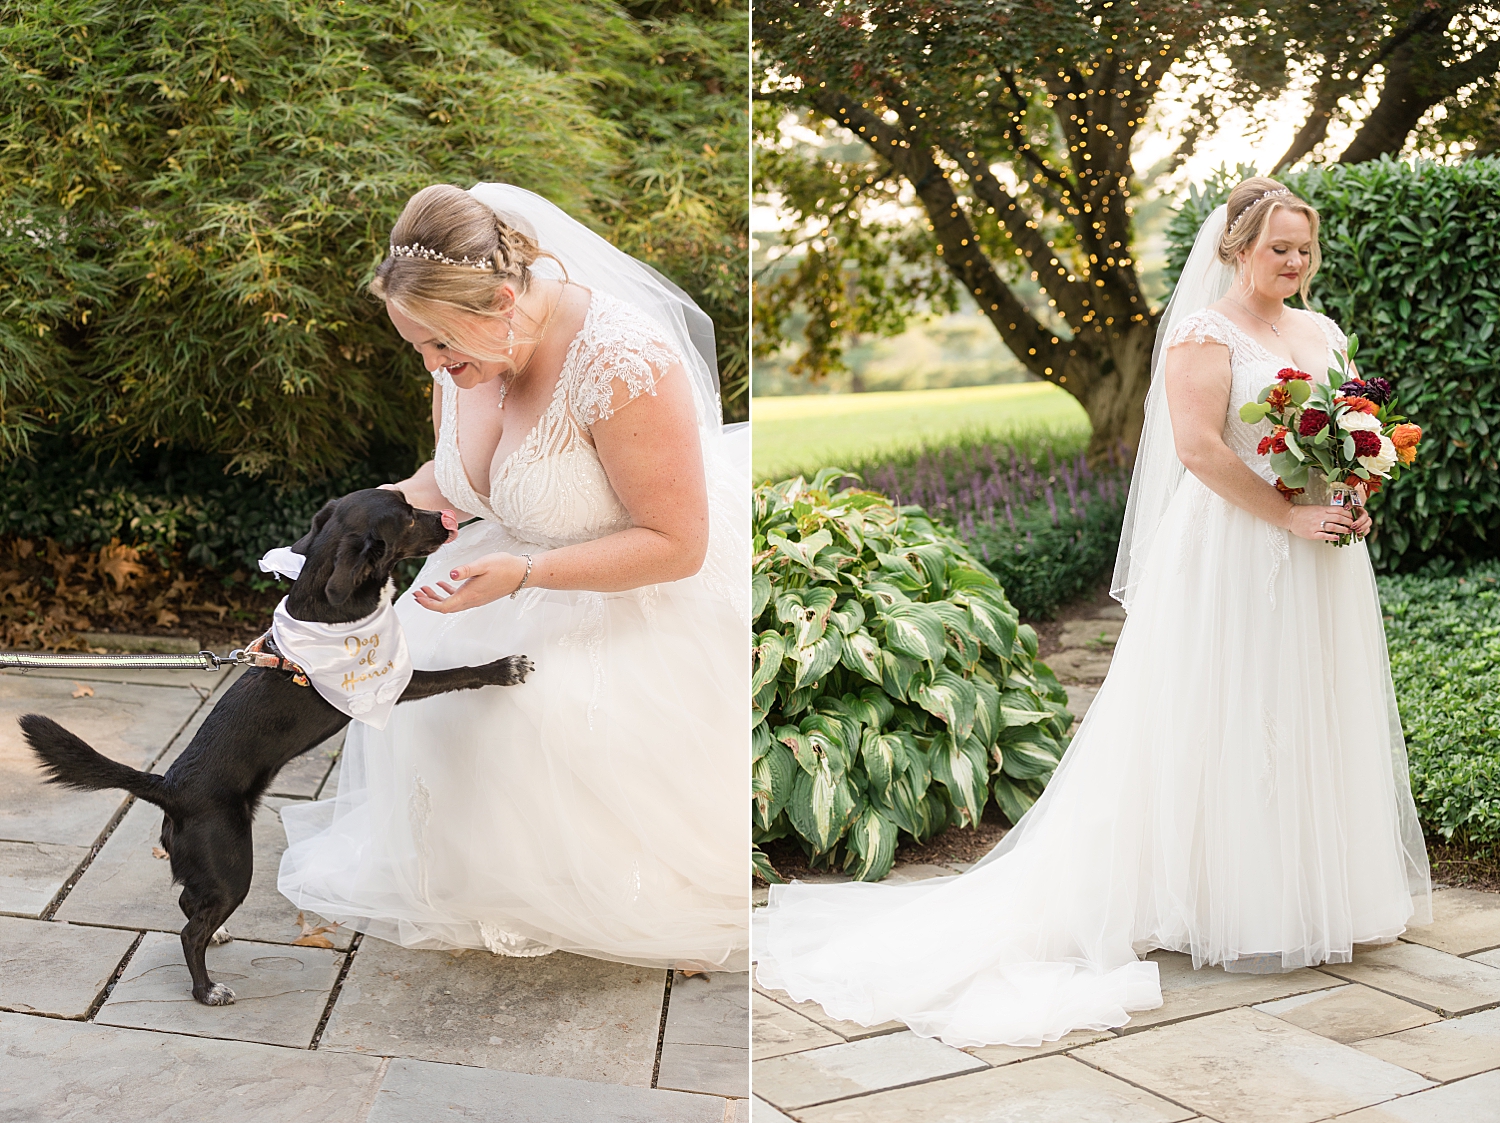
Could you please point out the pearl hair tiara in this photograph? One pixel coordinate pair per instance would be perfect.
(1278, 193)
(416, 249)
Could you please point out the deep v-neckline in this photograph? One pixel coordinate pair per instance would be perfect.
(1267, 352)
(559, 393)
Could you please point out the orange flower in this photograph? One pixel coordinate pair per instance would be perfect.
(1288, 491)
(1361, 405)
(1405, 438)
(1279, 398)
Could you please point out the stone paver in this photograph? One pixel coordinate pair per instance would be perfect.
(55, 1071)
(1349, 1013)
(1090, 633)
(777, 1031)
(1488, 958)
(33, 873)
(127, 885)
(1189, 994)
(552, 1015)
(1445, 1050)
(762, 1112)
(203, 681)
(1050, 1090)
(706, 1044)
(1476, 1100)
(131, 724)
(838, 1071)
(1423, 975)
(280, 992)
(56, 969)
(424, 1092)
(1010, 1054)
(1243, 1066)
(1463, 921)
(849, 1031)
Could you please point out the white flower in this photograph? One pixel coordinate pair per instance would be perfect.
(1353, 419)
(1379, 464)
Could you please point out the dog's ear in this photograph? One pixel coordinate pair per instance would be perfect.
(357, 556)
(320, 520)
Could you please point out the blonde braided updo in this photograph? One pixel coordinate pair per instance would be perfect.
(451, 259)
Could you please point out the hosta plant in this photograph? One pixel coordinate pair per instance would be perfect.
(894, 688)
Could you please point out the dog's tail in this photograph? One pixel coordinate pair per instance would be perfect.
(70, 761)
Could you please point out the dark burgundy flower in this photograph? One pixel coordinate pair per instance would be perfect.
(1379, 391)
(1312, 421)
(1366, 442)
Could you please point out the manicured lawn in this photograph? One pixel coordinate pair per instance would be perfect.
(807, 433)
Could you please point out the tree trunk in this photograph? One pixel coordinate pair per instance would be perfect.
(1400, 107)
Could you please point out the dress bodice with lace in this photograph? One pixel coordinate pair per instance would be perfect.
(552, 490)
(1252, 368)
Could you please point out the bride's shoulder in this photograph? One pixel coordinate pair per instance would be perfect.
(624, 353)
(1207, 325)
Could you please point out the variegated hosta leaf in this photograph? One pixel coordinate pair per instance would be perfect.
(961, 767)
(908, 807)
(872, 840)
(995, 629)
(848, 616)
(903, 573)
(986, 709)
(915, 630)
(862, 655)
(951, 698)
(879, 706)
(1028, 755)
(762, 701)
(802, 748)
(883, 594)
(820, 807)
(760, 740)
(1013, 799)
(812, 620)
(762, 865)
(933, 560)
(765, 657)
(879, 753)
(817, 659)
(802, 552)
(771, 779)
(896, 673)
(760, 594)
(962, 641)
(830, 738)
(1026, 636)
(1021, 707)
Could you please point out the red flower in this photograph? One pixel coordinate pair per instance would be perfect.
(1264, 446)
(1372, 485)
(1278, 439)
(1288, 374)
(1360, 405)
(1366, 443)
(1312, 421)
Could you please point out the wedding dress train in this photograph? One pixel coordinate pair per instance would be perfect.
(1237, 792)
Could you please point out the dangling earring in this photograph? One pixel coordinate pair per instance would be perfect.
(510, 344)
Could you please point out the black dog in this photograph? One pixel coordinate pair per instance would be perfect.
(265, 720)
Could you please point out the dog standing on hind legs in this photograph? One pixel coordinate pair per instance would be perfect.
(267, 718)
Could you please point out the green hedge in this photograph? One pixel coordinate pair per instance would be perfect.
(1411, 262)
(894, 688)
(1444, 638)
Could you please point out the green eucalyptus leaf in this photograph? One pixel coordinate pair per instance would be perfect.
(1252, 413)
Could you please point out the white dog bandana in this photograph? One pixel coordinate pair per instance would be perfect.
(284, 562)
(359, 668)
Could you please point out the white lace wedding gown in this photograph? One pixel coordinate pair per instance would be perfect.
(600, 807)
(1237, 791)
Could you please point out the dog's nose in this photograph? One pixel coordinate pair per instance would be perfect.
(450, 523)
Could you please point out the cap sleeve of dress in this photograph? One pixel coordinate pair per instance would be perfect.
(625, 355)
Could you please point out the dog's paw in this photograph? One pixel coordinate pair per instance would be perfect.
(510, 670)
(222, 936)
(218, 995)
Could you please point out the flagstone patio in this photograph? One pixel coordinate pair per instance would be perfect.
(96, 1020)
(1407, 1033)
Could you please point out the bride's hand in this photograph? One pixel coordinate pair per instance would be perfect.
(490, 578)
(1321, 524)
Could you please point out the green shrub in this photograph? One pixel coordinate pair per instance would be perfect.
(192, 196)
(1444, 638)
(1411, 253)
(894, 688)
(1047, 524)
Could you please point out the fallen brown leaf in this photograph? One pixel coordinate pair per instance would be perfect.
(82, 690)
(689, 972)
(166, 618)
(312, 936)
(121, 563)
(158, 852)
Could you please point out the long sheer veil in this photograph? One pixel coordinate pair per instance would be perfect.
(597, 265)
(1205, 279)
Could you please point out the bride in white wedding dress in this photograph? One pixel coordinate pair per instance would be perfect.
(600, 807)
(1238, 789)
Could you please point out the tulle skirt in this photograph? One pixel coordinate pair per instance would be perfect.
(1238, 791)
(601, 807)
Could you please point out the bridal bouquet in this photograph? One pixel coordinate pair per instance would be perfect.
(1350, 434)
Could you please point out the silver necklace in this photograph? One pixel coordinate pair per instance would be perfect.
(1262, 319)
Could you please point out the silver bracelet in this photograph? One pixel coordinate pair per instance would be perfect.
(525, 577)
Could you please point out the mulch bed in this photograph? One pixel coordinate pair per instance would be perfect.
(1460, 867)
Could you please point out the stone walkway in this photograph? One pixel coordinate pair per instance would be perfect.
(97, 1022)
(1407, 1033)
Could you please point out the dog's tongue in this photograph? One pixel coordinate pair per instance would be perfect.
(450, 522)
